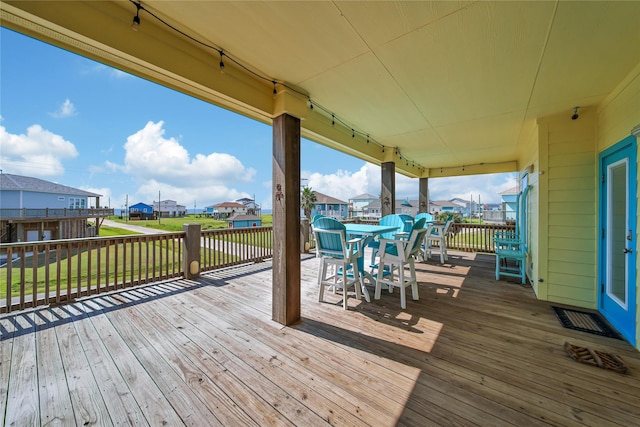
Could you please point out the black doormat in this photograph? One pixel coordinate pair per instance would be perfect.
(585, 322)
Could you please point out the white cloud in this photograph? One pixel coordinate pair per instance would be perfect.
(344, 184)
(157, 163)
(67, 109)
(39, 153)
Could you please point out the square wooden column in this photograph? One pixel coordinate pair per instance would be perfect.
(286, 219)
(388, 202)
(423, 196)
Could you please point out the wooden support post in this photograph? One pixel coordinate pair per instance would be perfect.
(191, 251)
(97, 218)
(388, 188)
(423, 197)
(286, 219)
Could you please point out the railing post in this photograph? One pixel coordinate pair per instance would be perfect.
(304, 235)
(191, 251)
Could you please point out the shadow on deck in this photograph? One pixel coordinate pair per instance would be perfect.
(471, 351)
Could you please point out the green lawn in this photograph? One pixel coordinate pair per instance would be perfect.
(175, 224)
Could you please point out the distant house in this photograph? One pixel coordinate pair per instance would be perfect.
(373, 209)
(226, 210)
(330, 206)
(359, 202)
(141, 211)
(446, 206)
(405, 207)
(33, 209)
(244, 221)
(252, 207)
(169, 209)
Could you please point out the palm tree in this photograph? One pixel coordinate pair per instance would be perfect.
(308, 201)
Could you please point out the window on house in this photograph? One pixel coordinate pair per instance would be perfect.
(77, 203)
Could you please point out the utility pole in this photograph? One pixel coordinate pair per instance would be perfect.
(126, 208)
(159, 211)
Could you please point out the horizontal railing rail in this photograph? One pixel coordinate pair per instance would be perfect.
(29, 213)
(59, 271)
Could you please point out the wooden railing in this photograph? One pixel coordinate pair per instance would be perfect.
(475, 237)
(228, 247)
(58, 271)
(54, 213)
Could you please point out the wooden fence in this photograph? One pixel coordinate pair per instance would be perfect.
(58, 271)
(475, 237)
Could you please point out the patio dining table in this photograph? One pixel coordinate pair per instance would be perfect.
(368, 232)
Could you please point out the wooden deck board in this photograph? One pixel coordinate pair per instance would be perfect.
(471, 351)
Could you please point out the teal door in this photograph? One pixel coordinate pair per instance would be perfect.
(617, 297)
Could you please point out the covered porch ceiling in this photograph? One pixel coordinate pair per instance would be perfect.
(442, 88)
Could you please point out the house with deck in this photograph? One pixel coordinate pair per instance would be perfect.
(34, 209)
(169, 209)
(359, 202)
(141, 211)
(330, 206)
(226, 210)
(548, 90)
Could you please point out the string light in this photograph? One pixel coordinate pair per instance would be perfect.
(135, 26)
(221, 62)
(275, 92)
(333, 120)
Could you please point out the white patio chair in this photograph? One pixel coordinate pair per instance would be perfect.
(435, 239)
(338, 258)
(395, 255)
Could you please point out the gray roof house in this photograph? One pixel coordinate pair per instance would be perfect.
(359, 202)
(34, 209)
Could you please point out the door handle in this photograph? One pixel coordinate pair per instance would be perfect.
(627, 251)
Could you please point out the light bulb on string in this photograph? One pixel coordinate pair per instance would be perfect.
(221, 64)
(135, 26)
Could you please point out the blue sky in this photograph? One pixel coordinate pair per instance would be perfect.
(67, 119)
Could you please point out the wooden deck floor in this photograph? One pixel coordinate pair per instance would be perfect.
(471, 351)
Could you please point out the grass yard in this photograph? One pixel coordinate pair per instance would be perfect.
(175, 224)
